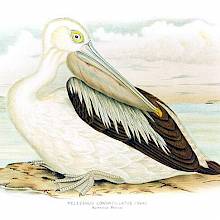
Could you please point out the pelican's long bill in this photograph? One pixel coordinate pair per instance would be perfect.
(90, 67)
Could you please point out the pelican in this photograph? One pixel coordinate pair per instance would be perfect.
(100, 126)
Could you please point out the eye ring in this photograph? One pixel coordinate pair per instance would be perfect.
(77, 36)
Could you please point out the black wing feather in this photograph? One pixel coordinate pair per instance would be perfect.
(181, 156)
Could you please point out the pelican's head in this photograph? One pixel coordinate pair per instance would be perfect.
(89, 66)
(64, 34)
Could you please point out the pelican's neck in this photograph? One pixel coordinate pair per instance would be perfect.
(46, 72)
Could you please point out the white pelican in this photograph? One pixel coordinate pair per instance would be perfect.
(101, 127)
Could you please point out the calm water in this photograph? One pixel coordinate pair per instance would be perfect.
(201, 120)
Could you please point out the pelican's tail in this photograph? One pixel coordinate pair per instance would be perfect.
(212, 169)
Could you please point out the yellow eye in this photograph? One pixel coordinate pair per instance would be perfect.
(77, 36)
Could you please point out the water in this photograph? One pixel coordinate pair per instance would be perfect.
(201, 120)
(12, 146)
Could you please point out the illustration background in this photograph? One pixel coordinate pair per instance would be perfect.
(168, 48)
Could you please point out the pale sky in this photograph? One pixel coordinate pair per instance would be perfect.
(195, 45)
(37, 12)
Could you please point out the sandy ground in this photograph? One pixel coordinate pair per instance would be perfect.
(34, 178)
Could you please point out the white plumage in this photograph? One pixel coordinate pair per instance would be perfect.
(70, 146)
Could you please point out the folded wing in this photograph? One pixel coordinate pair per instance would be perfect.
(178, 152)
